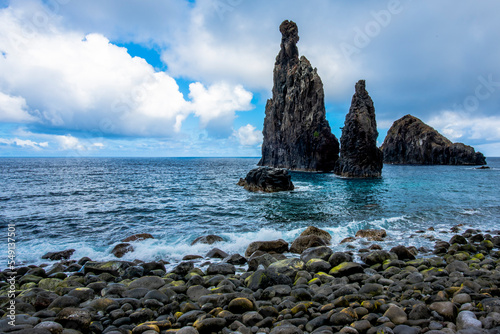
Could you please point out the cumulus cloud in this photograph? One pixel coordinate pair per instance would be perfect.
(24, 143)
(84, 82)
(216, 105)
(14, 109)
(460, 125)
(248, 135)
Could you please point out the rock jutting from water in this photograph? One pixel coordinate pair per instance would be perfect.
(359, 154)
(297, 135)
(411, 141)
(267, 179)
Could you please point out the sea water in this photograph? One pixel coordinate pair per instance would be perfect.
(91, 204)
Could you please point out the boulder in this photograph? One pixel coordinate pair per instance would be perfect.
(312, 230)
(122, 249)
(207, 239)
(321, 252)
(296, 133)
(403, 253)
(411, 141)
(339, 257)
(277, 246)
(57, 256)
(138, 237)
(288, 267)
(302, 243)
(221, 269)
(371, 234)
(267, 179)
(216, 253)
(72, 317)
(115, 268)
(359, 154)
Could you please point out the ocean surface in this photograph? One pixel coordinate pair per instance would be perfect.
(91, 204)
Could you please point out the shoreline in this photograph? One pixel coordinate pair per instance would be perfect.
(269, 291)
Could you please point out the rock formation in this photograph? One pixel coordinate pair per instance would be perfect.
(267, 179)
(411, 141)
(297, 135)
(359, 154)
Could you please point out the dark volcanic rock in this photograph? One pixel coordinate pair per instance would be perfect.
(359, 154)
(56, 256)
(267, 179)
(297, 135)
(207, 239)
(411, 141)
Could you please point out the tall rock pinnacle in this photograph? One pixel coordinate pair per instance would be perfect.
(297, 135)
(359, 154)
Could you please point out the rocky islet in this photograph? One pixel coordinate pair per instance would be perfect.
(411, 141)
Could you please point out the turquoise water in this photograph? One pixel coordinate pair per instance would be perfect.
(90, 204)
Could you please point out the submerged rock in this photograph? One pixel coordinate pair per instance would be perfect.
(207, 239)
(57, 256)
(297, 135)
(122, 249)
(138, 237)
(411, 141)
(267, 179)
(359, 154)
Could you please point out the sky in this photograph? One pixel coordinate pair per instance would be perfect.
(178, 78)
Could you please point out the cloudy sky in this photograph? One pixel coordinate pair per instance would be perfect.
(191, 78)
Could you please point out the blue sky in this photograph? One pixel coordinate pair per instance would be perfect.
(191, 78)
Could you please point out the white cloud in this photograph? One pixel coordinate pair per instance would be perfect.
(84, 82)
(24, 143)
(248, 135)
(459, 125)
(216, 105)
(14, 109)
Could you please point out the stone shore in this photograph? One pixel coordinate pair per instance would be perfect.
(451, 289)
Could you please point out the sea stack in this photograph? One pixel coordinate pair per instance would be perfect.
(411, 141)
(297, 135)
(359, 154)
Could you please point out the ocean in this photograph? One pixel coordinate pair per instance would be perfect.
(91, 204)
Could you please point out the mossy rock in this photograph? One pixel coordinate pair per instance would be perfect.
(101, 304)
(391, 271)
(371, 305)
(288, 267)
(324, 277)
(479, 256)
(434, 272)
(258, 280)
(462, 256)
(196, 271)
(49, 284)
(29, 279)
(346, 269)
(301, 307)
(418, 262)
(28, 286)
(315, 280)
(177, 283)
(487, 244)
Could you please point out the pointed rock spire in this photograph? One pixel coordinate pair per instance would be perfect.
(297, 135)
(359, 154)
